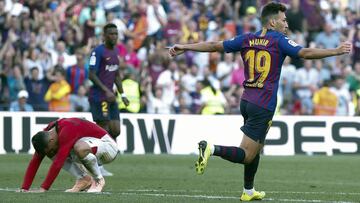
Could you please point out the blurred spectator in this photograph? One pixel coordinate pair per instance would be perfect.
(89, 27)
(156, 103)
(169, 82)
(58, 94)
(306, 83)
(325, 101)
(61, 57)
(224, 70)
(99, 13)
(212, 99)
(237, 75)
(328, 39)
(314, 20)
(340, 89)
(15, 82)
(156, 18)
(4, 92)
(324, 72)
(37, 88)
(31, 59)
(295, 17)
(286, 83)
(133, 92)
(333, 17)
(138, 29)
(21, 103)
(195, 106)
(251, 20)
(356, 44)
(79, 101)
(353, 79)
(78, 74)
(128, 52)
(189, 80)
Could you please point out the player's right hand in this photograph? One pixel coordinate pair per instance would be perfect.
(175, 50)
(344, 48)
(110, 96)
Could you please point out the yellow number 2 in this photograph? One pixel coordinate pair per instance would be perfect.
(260, 62)
(104, 107)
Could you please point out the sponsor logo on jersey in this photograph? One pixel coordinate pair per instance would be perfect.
(111, 67)
(292, 43)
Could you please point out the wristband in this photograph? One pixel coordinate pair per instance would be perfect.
(123, 94)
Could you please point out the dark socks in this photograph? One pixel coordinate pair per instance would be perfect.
(250, 171)
(233, 154)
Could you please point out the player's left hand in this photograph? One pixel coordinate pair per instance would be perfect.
(41, 190)
(125, 100)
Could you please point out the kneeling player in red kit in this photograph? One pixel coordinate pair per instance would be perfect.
(72, 144)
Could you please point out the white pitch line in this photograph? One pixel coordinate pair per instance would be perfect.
(139, 193)
(201, 191)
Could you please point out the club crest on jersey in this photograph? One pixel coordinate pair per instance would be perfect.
(111, 67)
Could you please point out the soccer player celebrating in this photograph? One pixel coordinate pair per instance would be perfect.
(72, 143)
(263, 53)
(104, 72)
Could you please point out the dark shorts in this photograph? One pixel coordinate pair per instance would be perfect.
(104, 111)
(257, 121)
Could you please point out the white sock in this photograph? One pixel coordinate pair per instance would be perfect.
(91, 164)
(249, 191)
(212, 149)
(73, 169)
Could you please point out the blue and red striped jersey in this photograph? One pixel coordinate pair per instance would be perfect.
(263, 53)
(106, 64)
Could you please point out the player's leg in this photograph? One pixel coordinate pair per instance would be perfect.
(242, 155)
(114, 123)
(100, 114)
(84, 153)
(251, 163)
(256, 126)
(230, 153)
(83, 180)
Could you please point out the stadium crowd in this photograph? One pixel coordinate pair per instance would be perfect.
(45, 46)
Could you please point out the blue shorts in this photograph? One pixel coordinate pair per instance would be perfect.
(104, 111)
(257, 121)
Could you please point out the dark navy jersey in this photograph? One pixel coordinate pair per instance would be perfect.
(263, 53)
(105, 62)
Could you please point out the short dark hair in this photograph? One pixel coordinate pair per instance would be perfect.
(59, 69)
(271, 9)
(40, 141)
(109, 25)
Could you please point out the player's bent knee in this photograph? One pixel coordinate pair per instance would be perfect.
(81, 149)
(249, 157)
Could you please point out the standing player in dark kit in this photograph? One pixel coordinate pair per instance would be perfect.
(104, 72)
(263, 53)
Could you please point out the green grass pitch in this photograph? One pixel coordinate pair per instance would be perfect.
(172, 178)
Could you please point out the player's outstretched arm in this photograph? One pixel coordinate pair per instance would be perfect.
(178, 49)
(314, 53)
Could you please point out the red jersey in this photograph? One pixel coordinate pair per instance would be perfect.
(69, 131)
